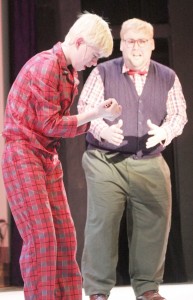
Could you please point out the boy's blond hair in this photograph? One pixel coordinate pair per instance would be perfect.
(137, 25)
(94, 30)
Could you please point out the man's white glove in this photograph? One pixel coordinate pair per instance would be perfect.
(158, 135)
(113, 134)
(109, 109)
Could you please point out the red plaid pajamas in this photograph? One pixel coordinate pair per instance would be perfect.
(37, 198)
(37, 116)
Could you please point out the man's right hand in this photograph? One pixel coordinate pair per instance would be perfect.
(113, 134)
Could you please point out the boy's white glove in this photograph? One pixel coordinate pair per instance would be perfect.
(158, 135)
(113, 134)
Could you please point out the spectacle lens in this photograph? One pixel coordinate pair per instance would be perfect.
(141, 43)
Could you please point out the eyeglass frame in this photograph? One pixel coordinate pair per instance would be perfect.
(131, 45)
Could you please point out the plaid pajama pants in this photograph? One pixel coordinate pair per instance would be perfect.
(34, 185)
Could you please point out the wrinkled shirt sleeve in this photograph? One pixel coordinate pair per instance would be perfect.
(92, 95)
(176, 117)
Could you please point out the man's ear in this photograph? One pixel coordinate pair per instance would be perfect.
(79, 41)
(121, 45)
(153, 44)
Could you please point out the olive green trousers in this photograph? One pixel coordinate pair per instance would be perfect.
(143, 186)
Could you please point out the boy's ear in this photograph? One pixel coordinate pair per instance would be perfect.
(79, 41)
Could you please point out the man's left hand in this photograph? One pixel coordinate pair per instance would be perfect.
(158, 135)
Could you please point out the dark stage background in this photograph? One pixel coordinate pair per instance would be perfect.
(36, 26)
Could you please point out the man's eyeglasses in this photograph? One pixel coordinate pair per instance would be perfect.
(142, 43)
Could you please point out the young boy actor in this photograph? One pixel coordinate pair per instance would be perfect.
(37, 116)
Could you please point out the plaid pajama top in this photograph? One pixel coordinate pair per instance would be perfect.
(38, 105)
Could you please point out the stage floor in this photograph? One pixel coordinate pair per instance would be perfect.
(170, 292)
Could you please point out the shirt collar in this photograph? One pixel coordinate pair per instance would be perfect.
(125, 69)
(57, 49)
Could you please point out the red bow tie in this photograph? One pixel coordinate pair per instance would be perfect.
(133, 72)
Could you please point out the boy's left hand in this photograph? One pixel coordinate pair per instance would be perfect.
(110, 109)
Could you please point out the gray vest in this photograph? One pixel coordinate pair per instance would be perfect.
(136, 110)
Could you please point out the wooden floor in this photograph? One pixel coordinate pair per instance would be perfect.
(170, 292)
